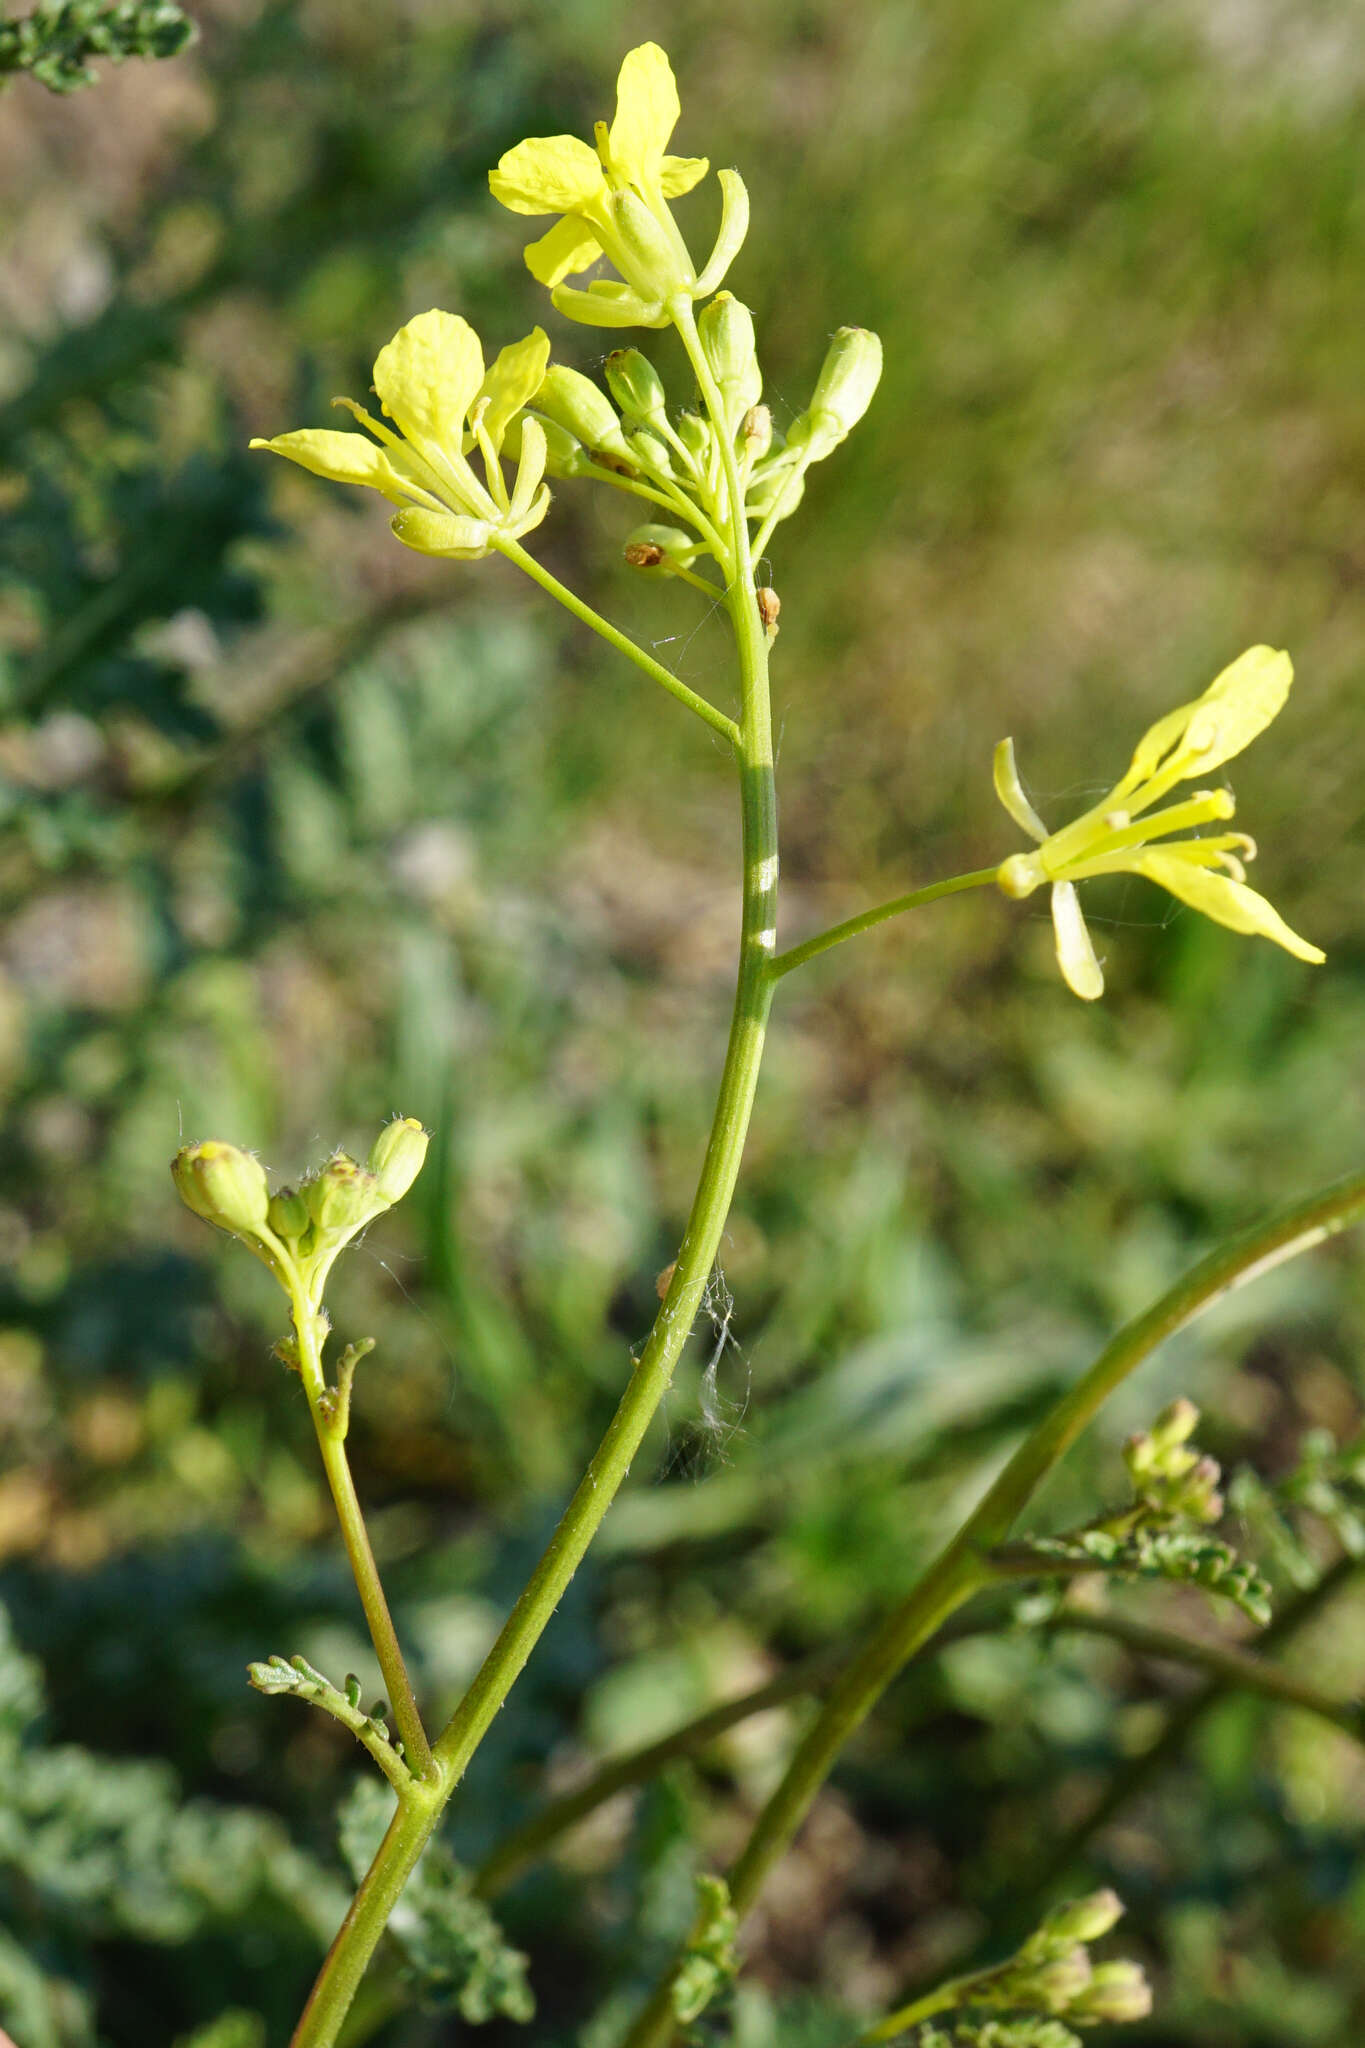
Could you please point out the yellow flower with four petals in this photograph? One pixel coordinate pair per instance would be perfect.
(431, 382)
(614, 203)
(1115, 838)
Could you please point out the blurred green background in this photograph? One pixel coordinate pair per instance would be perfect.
(301, 829)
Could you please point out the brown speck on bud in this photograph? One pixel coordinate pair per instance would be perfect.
(644, 554)
(769, 605)
(665, 1279)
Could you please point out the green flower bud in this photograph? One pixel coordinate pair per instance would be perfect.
(654, 547)
(343, 1196)
(637, 387)
(1085, 1919)
(780, 486)
(726, 329)
(1176, 1424)
(396, 1156)
(288, 1215)
(695, 435)
(1116, 1991)
(844, 389)
(1058, 1984)
(651, 455)
(574, 402)
(223, 1185)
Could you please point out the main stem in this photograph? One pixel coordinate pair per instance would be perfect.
(418, 1813)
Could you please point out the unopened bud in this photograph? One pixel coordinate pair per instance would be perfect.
(844, 390)
(651, 454)
(756, 430)
(637, 387)
(1176, 1424)
(223, 1185)
(726, 329)
(1085, 1919)
(1116, 1991)
(343, 1196)
(654, 547)
(695, 435)
(396, 1156)
(288, 1214)
(574, 402)
(1057, 1985)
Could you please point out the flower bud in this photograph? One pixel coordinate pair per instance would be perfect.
(844, 389)
(1176, 1424)
(756, 431)
(1058, 1984)
(637, 387)
(288, 1215)
(654, 547)
(1116, 1991)
(781, 490)
(695, 435)
(769, 605)
(574, 402)
(396, 1156)
(726, 329)
(651, 454)
(343, 1196)
(1085, 1919)
(223, 1185)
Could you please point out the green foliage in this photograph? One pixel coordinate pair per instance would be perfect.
(710, 1962)
(457, 1956)
(55, 44)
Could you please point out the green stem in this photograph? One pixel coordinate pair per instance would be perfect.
(717, 720)
(1227, 1663)
(810, 949)
(408, 1833)
(653, 1370)
(963, 1566)
(528, 1842)
(329, 1421)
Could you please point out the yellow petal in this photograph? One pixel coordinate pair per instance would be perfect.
(608, 304)
(548, 174)
(678, 174)
(513, 381)
(427, 377)
(1237, 706)
(344, 458)
(647, 112)
(1010, 791)
(530, 471)
(734, 226)
(442, 533)
(568, 248)
(1075, 952)
(1225, 901)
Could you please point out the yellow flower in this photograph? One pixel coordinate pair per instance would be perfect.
(431, 383)
(1112, 838)
(614, 203)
